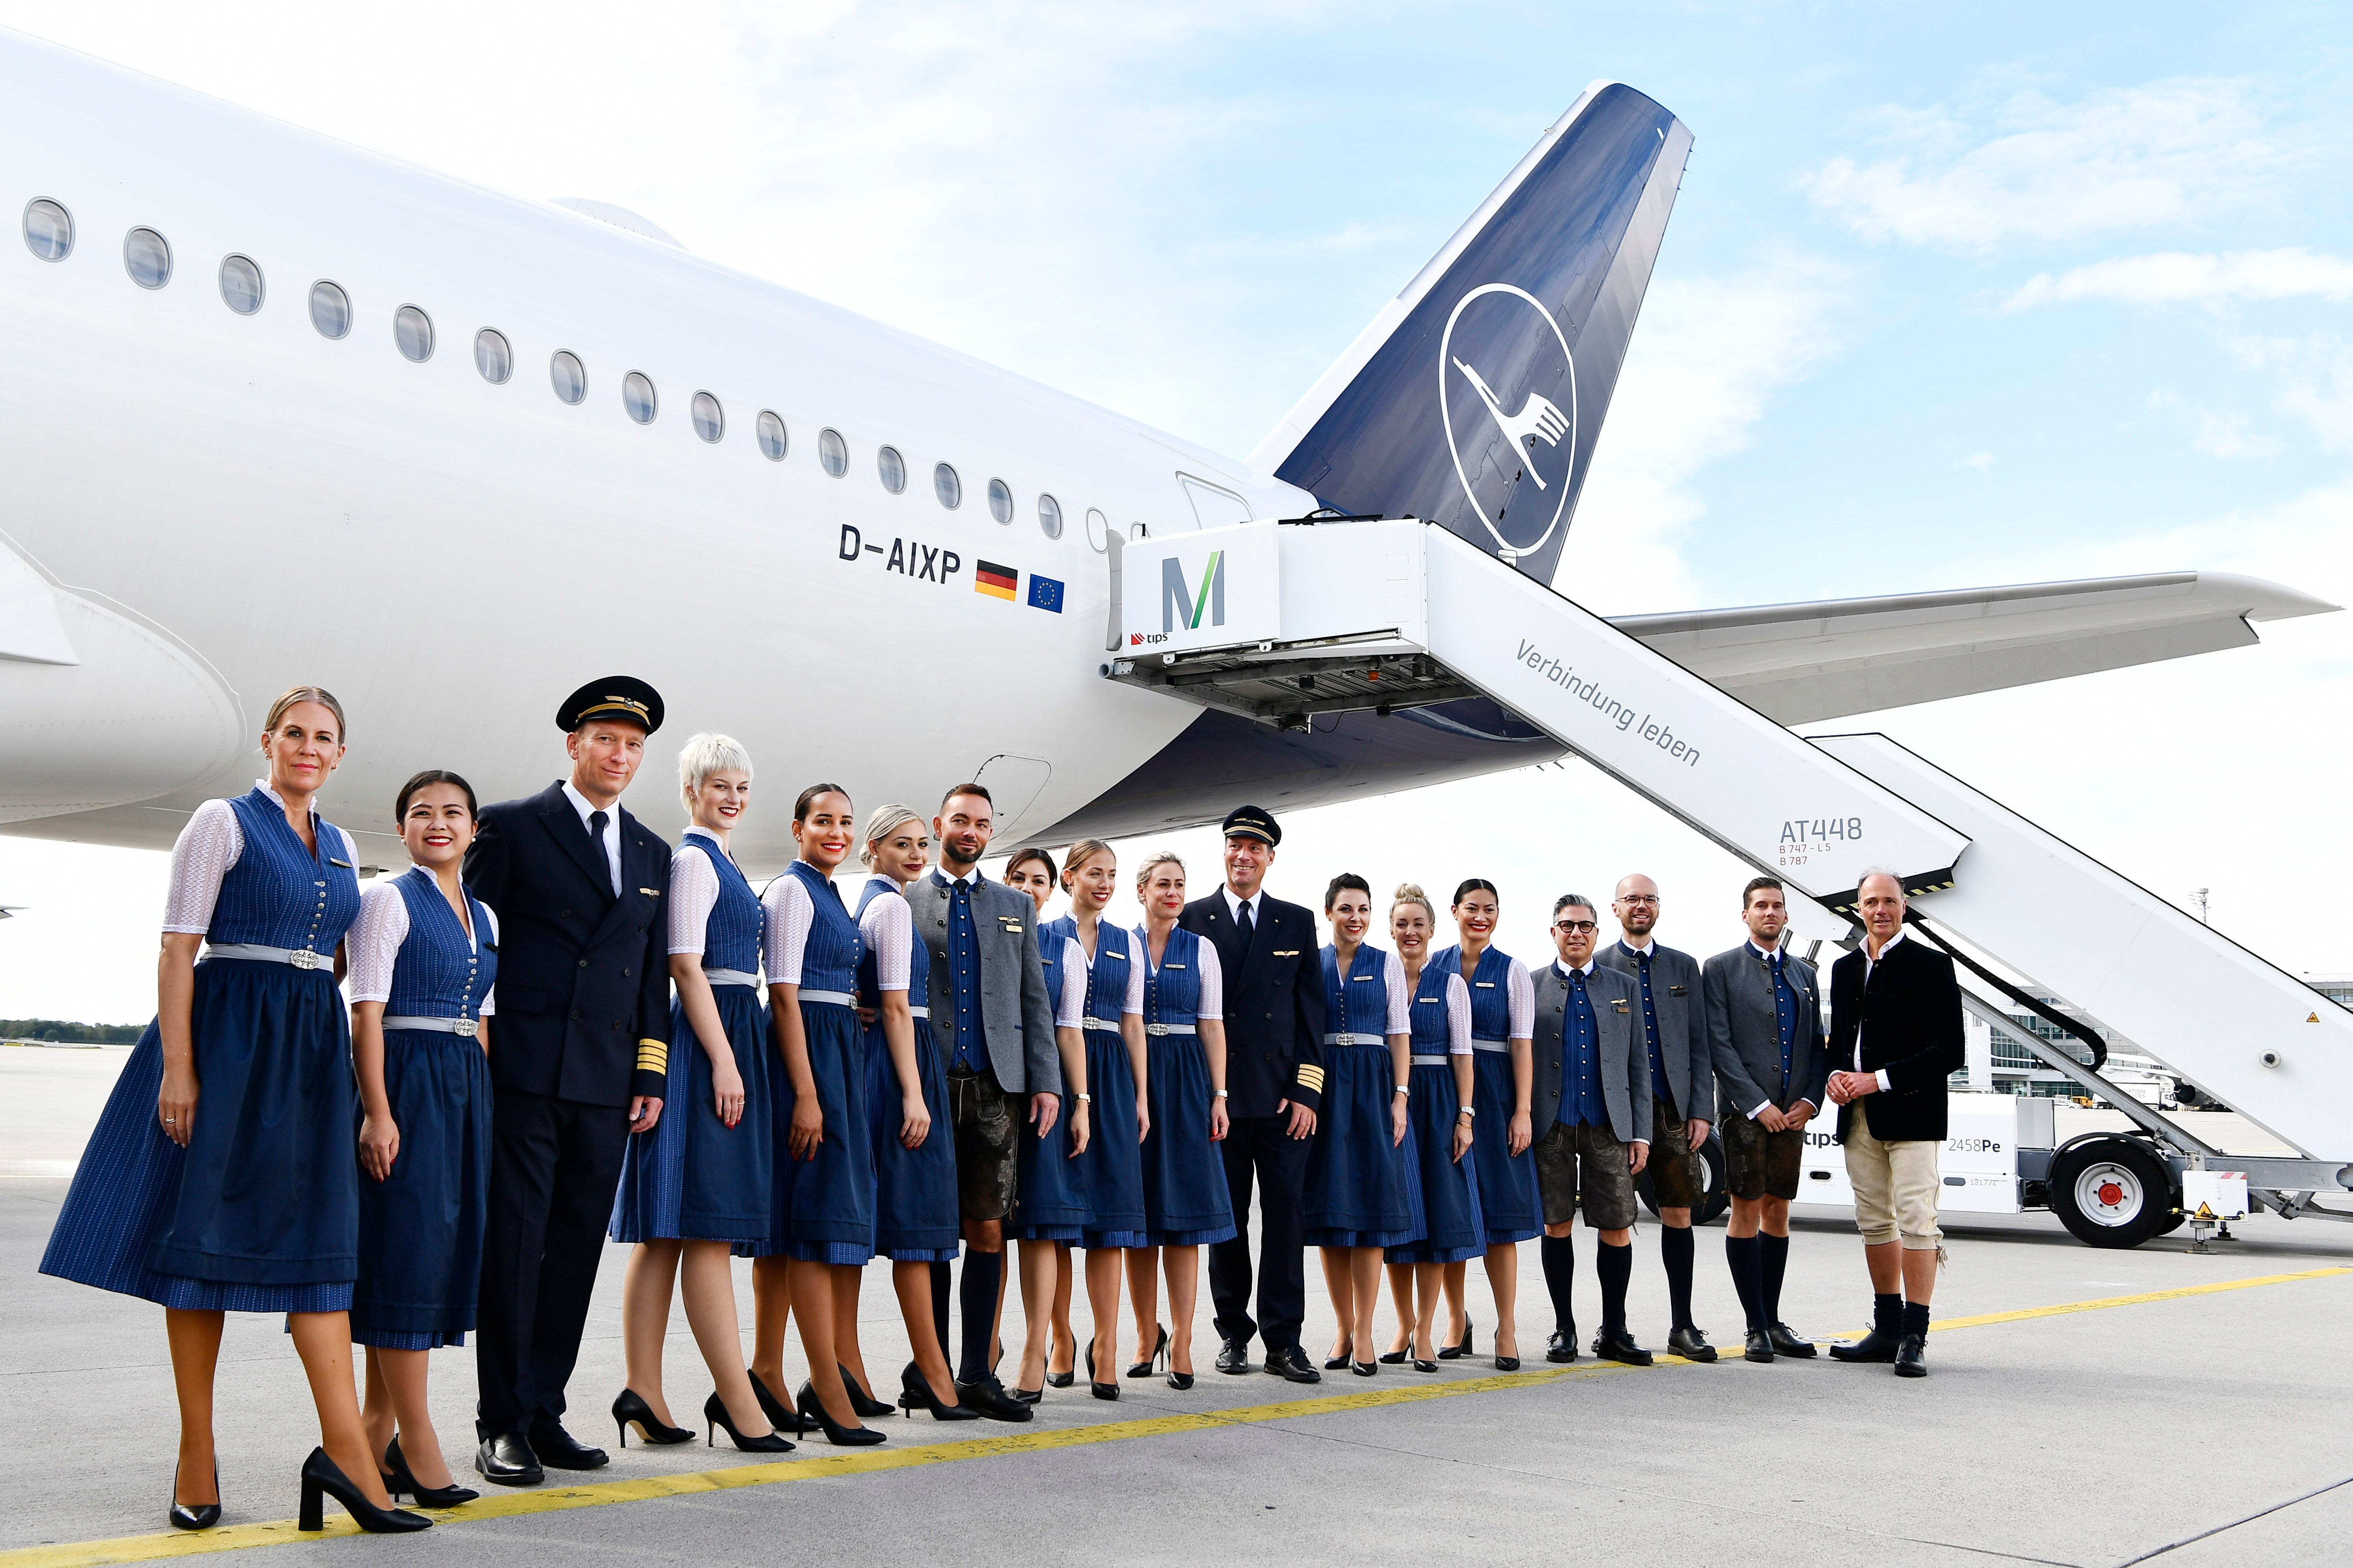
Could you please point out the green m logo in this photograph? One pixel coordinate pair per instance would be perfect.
(1181, 609)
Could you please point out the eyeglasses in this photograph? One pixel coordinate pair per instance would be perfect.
(1573, 927)
(1640, 899)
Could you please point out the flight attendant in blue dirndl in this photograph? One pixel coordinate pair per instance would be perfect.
(424, 958)
(220, 1177)
(1361, 1193)
(1186, 1205)
(823, 1228)
(1051, 1204)
(1439, 1131)
(699, 1183)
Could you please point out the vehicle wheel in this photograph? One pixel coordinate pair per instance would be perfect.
(1711, 1206)
(2111, 1192)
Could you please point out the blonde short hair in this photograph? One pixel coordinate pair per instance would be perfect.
(705, 754)
(1158, 857)
(1411, 893)
(882, 822)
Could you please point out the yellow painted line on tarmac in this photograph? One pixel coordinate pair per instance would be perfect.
(828, 1465)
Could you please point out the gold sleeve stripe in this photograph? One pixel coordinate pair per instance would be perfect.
(1312, 1077)
(653, 1056)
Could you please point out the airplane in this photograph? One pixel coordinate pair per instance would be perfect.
(282, 410)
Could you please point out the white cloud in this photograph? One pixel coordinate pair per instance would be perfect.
(2176, 277)
(2120, 159)
(1981, 461)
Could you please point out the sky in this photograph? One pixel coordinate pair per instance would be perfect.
(1950, 297)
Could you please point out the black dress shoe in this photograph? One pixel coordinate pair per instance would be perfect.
(1507, 1364)
(1872, 1346)
(1181, 1380)
(323, 1479)
(1334, 1364)
(560, 1450)
(1461, 1347)
(1393, 1358)
(1291, 1364)
(506, 1459)
(1562, 1347)
(1620, 1347)
(1787, 1342)
(1233, 1357)
(1691, 1345)
(1757, 1346)
(915, 1394)
(629, 1410)
(1365, 1368)
(1909, 1354)
(988, 1397)
(195, 1515)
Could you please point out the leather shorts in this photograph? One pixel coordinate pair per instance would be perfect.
(1583, 1164)
(988, 1162)
(1677, 1182)
(1761, 1164)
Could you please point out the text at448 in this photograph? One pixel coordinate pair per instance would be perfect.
(1821, 830)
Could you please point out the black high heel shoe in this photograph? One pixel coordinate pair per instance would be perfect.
(1151, 1363)
(714, 1417)
(781, 1415)
(1179, 1380)
(319, 1476)
(1100, 1390)
(631, 1410)
(813, 1408)
(1460, 1348)
(915, 1394)
(1364, 1368)
(865, 1404)
(1334, 1362)
(195, 1515)
(1393, 1358)
(399, 1479)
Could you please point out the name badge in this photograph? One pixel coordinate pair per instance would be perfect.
(1120, 957)
(650, 892)
(345, 864)
(1361, 978)
(1490, 986)
(1172, 966)
(1011, 926)
(1678, 991)
(1617, 1006)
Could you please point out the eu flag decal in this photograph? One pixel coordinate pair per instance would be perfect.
(997, 582)
(1045, 594)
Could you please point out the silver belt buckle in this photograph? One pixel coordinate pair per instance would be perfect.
(466, 1027)
(303, 958)
(1155, 1028)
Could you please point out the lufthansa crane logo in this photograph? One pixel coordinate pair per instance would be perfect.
(1501, 426)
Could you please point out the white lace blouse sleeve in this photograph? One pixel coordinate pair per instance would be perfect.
(1458, 1017)
(373, 942)
(1134, 1001)
(693, 893)
(790, 915)
(487, 1009)
(888, 926)
(1071, 1007)
(1212, 1003)
(1400, 998)
(351, 846)
(1522, 994)
(207, 846)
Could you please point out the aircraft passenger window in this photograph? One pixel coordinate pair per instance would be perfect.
(147, 256)
(48, 230)
(947, 487)
(493, 357)
(412, 329)
(1000, 500)
(638, 396)
(772, 436)
(570, 380)
(710, 421)
(833, 452)
(893, 469)
(1098, 530)
(331, 309)
(1049, 517)
(240, 284)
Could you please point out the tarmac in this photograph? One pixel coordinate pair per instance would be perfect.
(2083, 1407)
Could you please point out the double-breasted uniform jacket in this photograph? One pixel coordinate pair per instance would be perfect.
(1625, 1059)
(583, 975)
(1682, 1023)
(1909, 1015)
(1274, 1003)
(1744, 1028)
(1017, 1015)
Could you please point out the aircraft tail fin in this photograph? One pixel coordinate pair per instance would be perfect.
(1475, 398)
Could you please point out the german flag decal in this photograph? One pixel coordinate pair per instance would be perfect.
(988, 577)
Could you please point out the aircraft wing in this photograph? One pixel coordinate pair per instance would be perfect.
(1833, 658)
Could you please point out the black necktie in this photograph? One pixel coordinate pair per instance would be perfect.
(1243, 924)
(597, 821)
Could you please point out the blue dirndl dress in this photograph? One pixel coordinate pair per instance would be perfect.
(1050, 1195)
(1452, 1229)
(916, 1216)
(825, 1204)
(421, 1227)
(1185, 1200)
(1361, 1188)
(260, 1212)
(693, 1177)
(1508, 1203)
(1112, 1167)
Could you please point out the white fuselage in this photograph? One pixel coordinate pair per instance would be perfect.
(226, 505)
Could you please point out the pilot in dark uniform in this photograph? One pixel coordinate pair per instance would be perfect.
(1273, 971)
(584, 1012)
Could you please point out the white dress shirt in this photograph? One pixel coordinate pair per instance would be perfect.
(1235, 904)
(581, 804)
(1869, 964)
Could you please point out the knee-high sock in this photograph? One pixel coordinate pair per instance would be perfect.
(1774, 1251)
(1615, 1267)
(1742, 1254)
(977, 1298)
(1888, 1315)
(1676, 1246)
(1916, 1317)
(1559, 1254)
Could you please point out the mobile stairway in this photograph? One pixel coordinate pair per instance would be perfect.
(1285, 621)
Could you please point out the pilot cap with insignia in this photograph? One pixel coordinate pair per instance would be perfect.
(621, 696)
(1251, 822)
